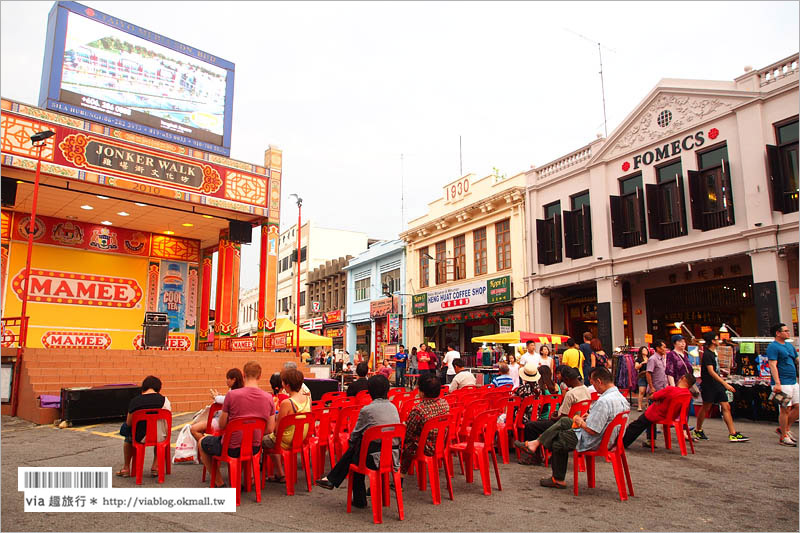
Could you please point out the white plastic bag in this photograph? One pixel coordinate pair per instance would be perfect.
(185, 447)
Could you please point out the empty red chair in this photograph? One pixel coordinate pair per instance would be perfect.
(322, 440)
(677, 414)
(343, 401)
(615, 455)
(452, 400)
(394, 391)
(345, 423)
(330, 396)
(303, 424)
(472, 450)
(456, 413)
(507, 406)
(379, 479)
(430, 464)
(151, 417)
(471, 412)
(215, 407)
(247, 427)
(363, 397)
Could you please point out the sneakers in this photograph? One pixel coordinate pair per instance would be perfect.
(737, 437)
(699, 434)
(786, 441)
(789, 434)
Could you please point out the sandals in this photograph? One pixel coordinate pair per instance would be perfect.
(548, 482)
(124, 472)
(154, 472)
(276, 479)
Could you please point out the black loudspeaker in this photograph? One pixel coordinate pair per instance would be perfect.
(241, 232)
(318, 387)
(156, 328)
(8, 191)
(97, 403)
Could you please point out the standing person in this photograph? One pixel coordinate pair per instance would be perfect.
(545, 359)
(712, 388)
(412, 366)
(513, 369)
(150, 398)
(678, 362)
(656, 368)
(530, 355)
(424, 359)
(377, 413)
(599, 356)
(640, 363)
(574, 357)
(451, 355)
(400, 367)
(586, 349)
(782, 358)
(463, 378)
(249, 401)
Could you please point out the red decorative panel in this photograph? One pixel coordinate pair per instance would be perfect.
(247, 188)
(153, 277)
(5, 228)
(168, 247)
(16, 137)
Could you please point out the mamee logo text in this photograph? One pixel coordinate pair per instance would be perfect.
(75, 288)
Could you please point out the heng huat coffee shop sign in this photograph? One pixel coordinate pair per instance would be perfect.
(473, 294)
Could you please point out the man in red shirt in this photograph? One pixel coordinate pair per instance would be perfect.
(425, 360)
(657, 410)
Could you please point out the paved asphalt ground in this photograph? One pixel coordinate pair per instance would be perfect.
(749, 486)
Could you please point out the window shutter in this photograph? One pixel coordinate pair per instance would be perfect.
(696, 199)
(558, 239)
(775, 177)
(586, 213)
(654, 216)
(682, 194)
(541, 236)
(726, 179)
(642, 217)
(570, 238)
(617, 239)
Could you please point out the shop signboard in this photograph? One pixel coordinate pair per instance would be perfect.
(380, 308)
(472, 294)
(333, 317)
(394, 328)
(105, 69)
(505, 325)
(334, 332)
(311, 324)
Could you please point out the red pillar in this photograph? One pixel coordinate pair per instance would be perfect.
(267, 280)
(205, 295)
(226, 318)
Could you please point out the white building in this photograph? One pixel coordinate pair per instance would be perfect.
(687, 212)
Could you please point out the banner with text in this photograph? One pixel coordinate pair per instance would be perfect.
(472, 294)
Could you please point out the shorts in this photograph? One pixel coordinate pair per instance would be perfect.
(212, 445)
(793, 392)
(713, 394)
(642, 382)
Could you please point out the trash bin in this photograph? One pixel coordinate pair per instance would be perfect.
(155, 330)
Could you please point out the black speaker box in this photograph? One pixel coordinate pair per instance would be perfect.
(318, 387)
(241, 232)
(8, 191)
(97, 403)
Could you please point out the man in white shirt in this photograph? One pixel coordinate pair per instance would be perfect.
(530, 355)
(463, 378)
(451, 355)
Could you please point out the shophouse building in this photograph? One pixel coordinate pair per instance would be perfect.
(687, 212)
(466, 261)
(248, 317)
(377, 309)
(327, 292)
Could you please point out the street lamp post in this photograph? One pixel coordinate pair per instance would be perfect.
(297, 298)
(38, 140)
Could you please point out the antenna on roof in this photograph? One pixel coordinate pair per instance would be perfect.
(402, 195)
(602, 84)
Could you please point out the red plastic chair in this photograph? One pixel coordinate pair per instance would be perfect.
(519, 421)
(303, 423)
(363, 398)
(332, 395)
(345, 423)
(551, 400)
(456, 414)
(430, 464)
(247, 427)
(395, 391)
(507, 406)
(408, 405)
(151, 417)
(379, 479)
(322, 440)
(209, 428)
(578, 408)
(452, 400)
(595, 396)
(343, 401)
(471, 412)
(615, 455)
(473, 451)
(677, 415)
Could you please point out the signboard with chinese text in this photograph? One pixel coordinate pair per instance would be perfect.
(463, 296)
(505, 325)
(380, 308)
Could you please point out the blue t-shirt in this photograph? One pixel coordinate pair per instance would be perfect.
(400, 357)
(502, 379)
(785, 355)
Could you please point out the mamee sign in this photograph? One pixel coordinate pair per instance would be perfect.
(463, 296)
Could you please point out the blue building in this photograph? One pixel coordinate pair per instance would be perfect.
(375, 320)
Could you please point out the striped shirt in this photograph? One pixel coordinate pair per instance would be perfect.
(502, 379)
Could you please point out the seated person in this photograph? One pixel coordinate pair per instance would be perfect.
(361, 383)
(577, 393)
(429, 407)
(304, 389)
(657, 410)
(150, 398)
(349, 368)
(530, 376)
(234, 380)
(297, 402)
(247, 402)
(278, 393)
(503, 378)
(384, 368)
(377, 413)
(582, 433)
(463, 378)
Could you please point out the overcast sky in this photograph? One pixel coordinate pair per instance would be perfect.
(345, 88)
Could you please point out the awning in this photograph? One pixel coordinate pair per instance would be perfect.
(306, 338)
(515, 337)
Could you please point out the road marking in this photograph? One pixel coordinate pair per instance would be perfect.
(181, 425)
(84, 428)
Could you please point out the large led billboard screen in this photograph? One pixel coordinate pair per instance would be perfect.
(104, 69)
